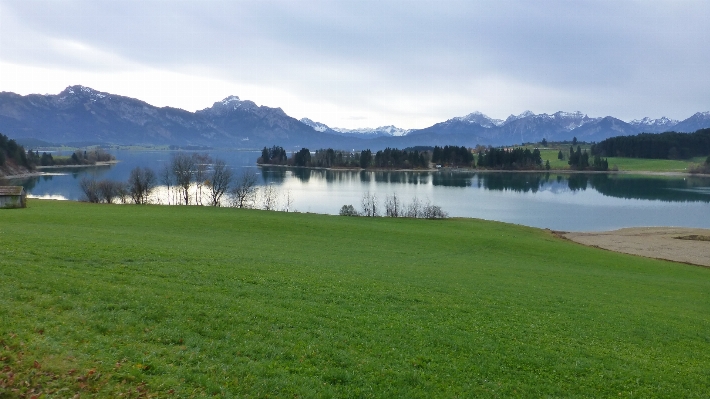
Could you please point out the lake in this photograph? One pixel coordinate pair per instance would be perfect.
(559, 201)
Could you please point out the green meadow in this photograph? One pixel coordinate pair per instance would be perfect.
(170, 301)
(626, 164)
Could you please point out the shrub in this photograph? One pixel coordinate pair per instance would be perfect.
(348, 210)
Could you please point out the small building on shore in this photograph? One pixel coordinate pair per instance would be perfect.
(12, 197)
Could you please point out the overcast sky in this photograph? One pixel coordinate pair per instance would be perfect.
(370, 63)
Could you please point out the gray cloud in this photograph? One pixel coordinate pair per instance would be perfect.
(411, 60)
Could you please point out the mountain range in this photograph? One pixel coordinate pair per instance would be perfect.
(81, 115)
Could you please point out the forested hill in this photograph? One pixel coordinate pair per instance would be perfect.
(13, 158)
(670, 145)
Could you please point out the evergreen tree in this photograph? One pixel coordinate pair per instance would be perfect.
(302, 157)
(365, 159)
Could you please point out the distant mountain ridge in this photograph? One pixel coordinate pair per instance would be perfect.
(367, 132)
(82, 114)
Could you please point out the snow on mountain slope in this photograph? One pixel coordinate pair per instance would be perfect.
(481, 119)
(367, 131)
(319, 127)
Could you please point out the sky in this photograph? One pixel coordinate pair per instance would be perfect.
(369, 63)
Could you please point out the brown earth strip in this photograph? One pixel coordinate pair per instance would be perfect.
(677, 244)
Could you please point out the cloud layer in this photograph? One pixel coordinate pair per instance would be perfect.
(368, 63)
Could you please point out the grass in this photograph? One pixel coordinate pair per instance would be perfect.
(654, 165)
(551, 155)
(158, 301)
(627, 164)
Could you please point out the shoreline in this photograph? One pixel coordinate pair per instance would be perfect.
(664, 243)
(39, 169)
(475, 170)
(103, 163)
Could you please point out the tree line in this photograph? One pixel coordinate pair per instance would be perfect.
(409, 158)
(580, 160)
(78, 157)
(11, 152)
(389, 158)
(510, 158)
(452, 156)
(669, 145)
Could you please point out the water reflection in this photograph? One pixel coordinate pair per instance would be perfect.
(662, 188)
(518, 182)
(555, 200)
(652, 188)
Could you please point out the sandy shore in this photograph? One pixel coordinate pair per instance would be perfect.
(651, 242)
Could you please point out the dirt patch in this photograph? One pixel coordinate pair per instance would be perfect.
(694, 237)
(670, 243)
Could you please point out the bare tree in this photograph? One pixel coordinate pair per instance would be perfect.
(108, 190)
(201, 162)
(141, 183)
(414, 209)
(219, 181)
(90, 188)
(244, 192)
(393, 206)
(166, 178)
(183, 168)
(288, 199)
(269, 198)
(370, 207)
(122, 192)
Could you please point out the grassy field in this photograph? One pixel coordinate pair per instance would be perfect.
(157, 301)
(627, 164)
(654, 165)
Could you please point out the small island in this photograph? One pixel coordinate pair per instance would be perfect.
(423, 158)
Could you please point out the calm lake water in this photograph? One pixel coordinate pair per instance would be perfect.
(570, 202)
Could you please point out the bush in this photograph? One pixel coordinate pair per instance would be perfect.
(348, 210)
(434, 212)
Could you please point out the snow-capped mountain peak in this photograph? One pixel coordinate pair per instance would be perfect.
(231, 99)
(569, 115)
(663, 121)
(81, 93)
(481, 119)
(380, 131)
(525, 114)
(317, 126)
